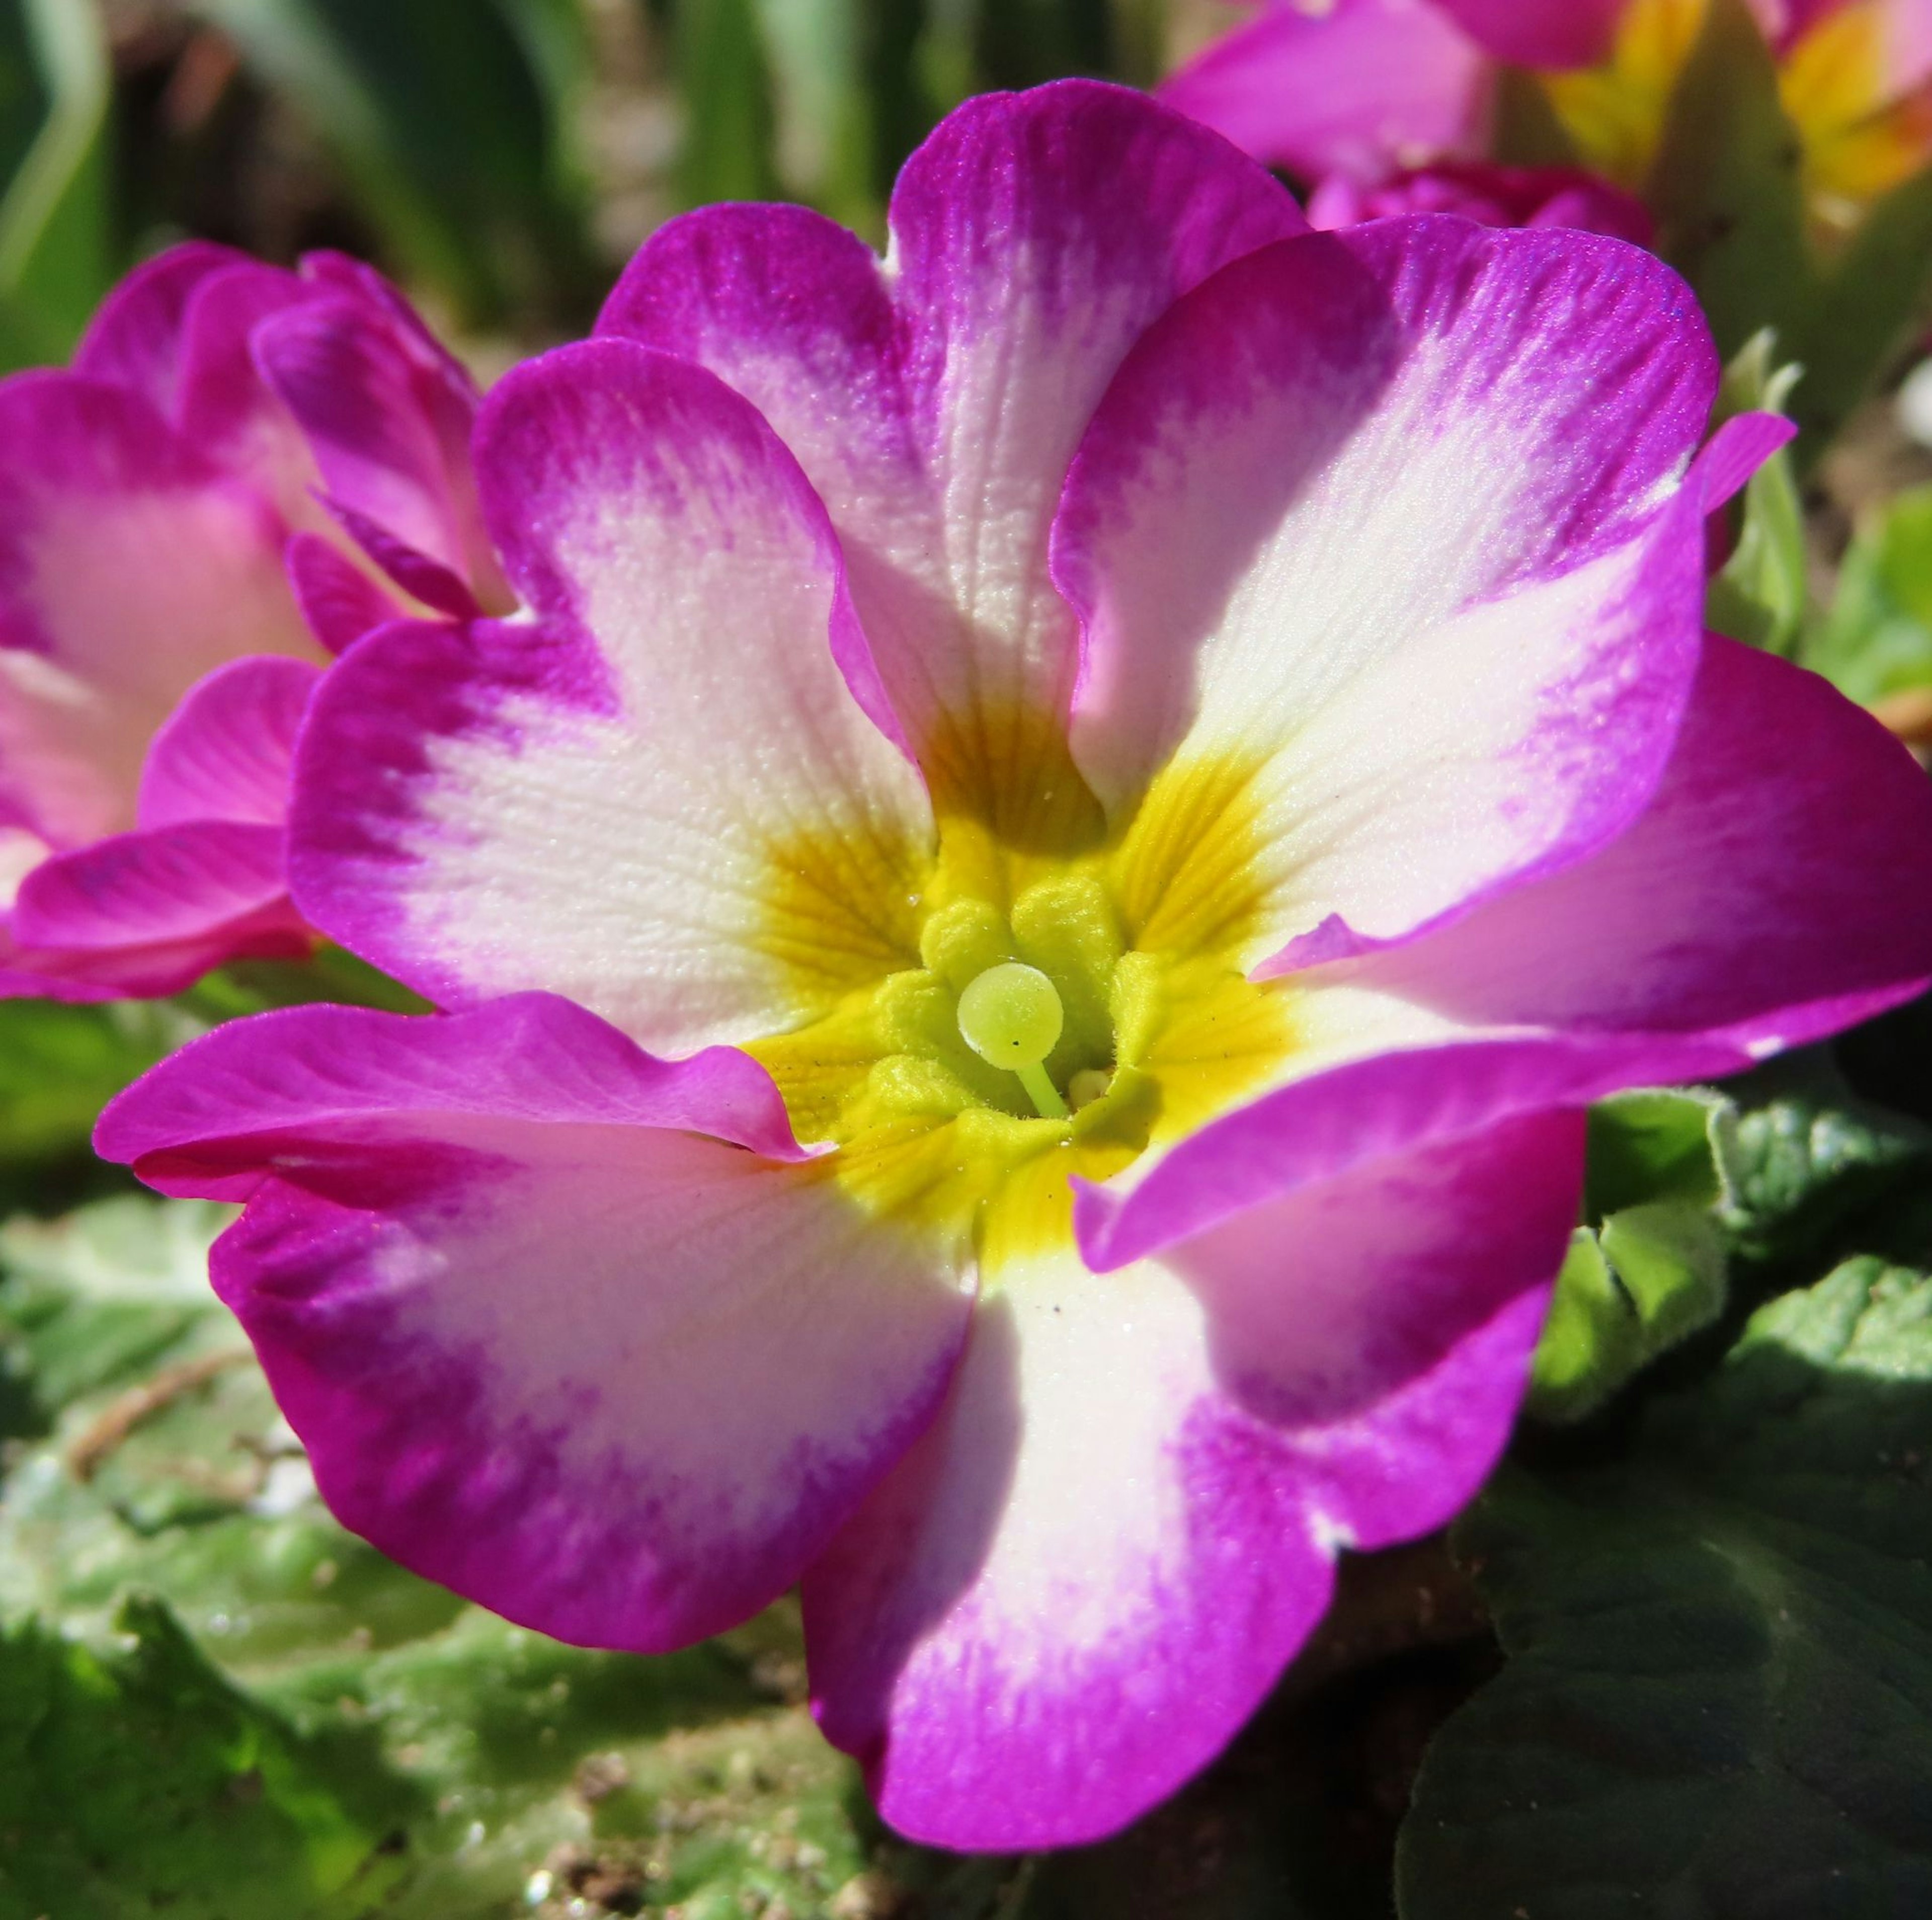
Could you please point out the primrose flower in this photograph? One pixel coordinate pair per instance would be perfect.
(1025, 920)
(1366, 87)
(234, 447)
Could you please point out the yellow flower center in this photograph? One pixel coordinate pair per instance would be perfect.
(1110, 961)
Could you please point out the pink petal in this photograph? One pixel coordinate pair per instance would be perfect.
(129, 567)
(147, 913)
(934, 404)
(1779, 888)
(550, 1334)
(1393, 516)
(340, 601)
(600, 803)
(135, 340)
(1122, 1525)
(1539, 33)
(1359, 88)
(224, 753)
(388, 421)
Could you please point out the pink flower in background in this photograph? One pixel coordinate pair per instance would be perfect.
(1370, 89)
(220, 418)
(1025, 922)
(1495, 196)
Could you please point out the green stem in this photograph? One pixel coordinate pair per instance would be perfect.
(1045, 1095)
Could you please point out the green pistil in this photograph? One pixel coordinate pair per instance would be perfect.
(1010, 1015)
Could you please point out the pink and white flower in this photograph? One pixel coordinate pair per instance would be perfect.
(1287, 644)
(234, 447)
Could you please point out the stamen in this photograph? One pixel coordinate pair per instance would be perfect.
(1010, 1016)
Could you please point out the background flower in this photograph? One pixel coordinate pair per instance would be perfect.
(220, 416)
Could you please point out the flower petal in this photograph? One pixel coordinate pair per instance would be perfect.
(613, 1376)
(129, 567)
(1389, 522)
(340, 601)
(1779, 888)
(224, 752)
(1358, 88)
(147, 913)
(660, 799)
(389, 425)
(1122, 1524)
(135, 340)
(934, 402)
(1539, 33)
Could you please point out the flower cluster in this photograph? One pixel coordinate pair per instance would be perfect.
(1027, 866)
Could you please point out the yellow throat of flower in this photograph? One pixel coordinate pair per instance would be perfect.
(1857, 142)
(1115, 955)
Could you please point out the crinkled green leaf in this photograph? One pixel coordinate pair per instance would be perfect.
(57, 248)
(1717, 1700)
(1804, 1157)
(137, 1780)
(1648, 1267)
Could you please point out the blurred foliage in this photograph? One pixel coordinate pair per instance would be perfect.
(57, 253)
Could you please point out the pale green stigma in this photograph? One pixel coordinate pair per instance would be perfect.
(1010, 1016)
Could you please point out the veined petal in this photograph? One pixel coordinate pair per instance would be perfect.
(545, 1340)
(129, 567)
(1359, 88)
(662, 798)
(1098, 1560)
(224, 752)
(934, 401)
(1388, 523)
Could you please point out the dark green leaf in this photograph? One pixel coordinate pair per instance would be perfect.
(1718, 1696)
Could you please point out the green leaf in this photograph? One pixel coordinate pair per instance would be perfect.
(1647, 1268)
(1762, 595)
(1876, 637)
(137, 1780)
(1717, 1699)
(57, 251)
